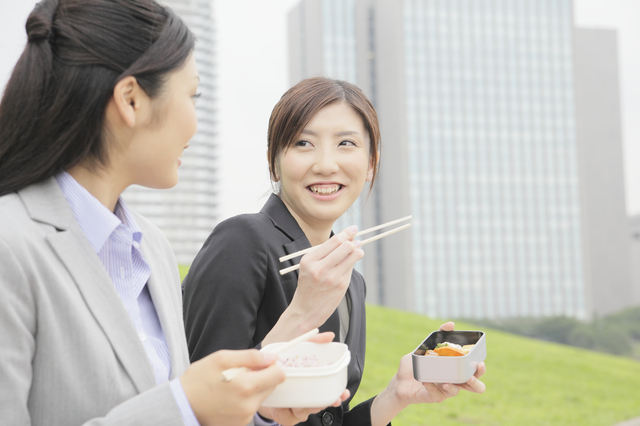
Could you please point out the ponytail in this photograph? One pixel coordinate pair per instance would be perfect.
(52, 111)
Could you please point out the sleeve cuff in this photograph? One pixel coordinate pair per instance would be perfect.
(188, 416)
(259, 421)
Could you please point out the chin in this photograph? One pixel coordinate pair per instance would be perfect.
(164, 183)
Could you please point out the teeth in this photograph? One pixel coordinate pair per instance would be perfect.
(323, 190)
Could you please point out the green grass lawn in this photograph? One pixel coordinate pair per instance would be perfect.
(529, 382)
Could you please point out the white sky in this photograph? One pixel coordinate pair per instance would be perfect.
(252, 68)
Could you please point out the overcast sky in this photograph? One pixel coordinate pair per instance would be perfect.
(252, 69)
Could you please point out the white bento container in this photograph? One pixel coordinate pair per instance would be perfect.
(449, 369)
(311, 386)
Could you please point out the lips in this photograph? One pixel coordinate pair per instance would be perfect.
(325, 189)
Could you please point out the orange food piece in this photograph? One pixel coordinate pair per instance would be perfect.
(449, 351)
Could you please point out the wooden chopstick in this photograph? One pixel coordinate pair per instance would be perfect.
(363, 242)
(366, 231)
(230, 373)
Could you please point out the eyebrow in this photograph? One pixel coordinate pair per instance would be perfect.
(344, 133)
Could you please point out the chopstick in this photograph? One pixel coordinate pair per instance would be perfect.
(363, 242)
(366, 231)
(230, 373)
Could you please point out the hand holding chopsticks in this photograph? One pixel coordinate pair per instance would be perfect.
(363, 242)
(233, 372)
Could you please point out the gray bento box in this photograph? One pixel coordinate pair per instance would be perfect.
(449, 369)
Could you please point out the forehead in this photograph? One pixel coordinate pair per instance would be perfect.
(185, 75)
(339, 115)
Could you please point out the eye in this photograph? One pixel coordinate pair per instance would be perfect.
(347, 143)
(196, 96)
(302, 143)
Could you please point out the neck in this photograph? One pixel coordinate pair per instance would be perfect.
(100, 183)
(317, 233)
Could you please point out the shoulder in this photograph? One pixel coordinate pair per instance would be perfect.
(250, 224)
(241, 244)
(244, 231)
(17, 230)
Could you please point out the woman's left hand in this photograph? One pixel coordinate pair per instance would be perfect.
(411, 391)
(404, 390)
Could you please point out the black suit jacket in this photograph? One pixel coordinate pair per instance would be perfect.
(234, 295)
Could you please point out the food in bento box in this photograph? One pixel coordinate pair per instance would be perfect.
(449, 349)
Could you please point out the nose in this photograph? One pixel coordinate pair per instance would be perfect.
(325, 162)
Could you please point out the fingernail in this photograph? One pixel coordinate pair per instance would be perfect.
(352, 229)
(446, 386)
(358, 243)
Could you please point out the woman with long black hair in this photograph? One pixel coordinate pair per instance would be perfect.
(91, 328)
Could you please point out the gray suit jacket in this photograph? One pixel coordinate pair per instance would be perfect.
(69, 353)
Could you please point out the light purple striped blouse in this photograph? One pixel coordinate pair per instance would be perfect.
(116, 239)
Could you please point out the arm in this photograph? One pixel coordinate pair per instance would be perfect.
(404, 390)
(224, 289)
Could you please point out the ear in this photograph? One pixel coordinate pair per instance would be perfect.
(372, 166)
(128, 99)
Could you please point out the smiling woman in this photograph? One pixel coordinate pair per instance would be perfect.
(323, 144)
(323, 173)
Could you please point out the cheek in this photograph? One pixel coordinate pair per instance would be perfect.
(192, 120)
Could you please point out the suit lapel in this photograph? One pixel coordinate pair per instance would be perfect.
(282, 219)
(47, 204)
(162, 282)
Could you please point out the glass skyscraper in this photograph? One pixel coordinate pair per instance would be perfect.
(496, 138)
(188, 213)
(493, 157)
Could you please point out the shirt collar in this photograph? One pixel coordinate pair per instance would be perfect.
(96, 221)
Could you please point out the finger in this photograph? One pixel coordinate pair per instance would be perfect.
(329, 246)
(449, 390)
(325, 337)
(260, 383)
(481, 370)
(475, 385)
(448, 326)
(346, 255)
(345, 395)
(435, 392)
(250, 358)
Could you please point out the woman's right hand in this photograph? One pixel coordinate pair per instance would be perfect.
(233, 402)
(323, 280)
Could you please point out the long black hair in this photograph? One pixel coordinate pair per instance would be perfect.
(53, 108)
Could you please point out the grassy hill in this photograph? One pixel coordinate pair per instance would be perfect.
(529, 382)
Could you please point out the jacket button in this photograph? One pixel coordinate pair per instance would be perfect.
(327, 419)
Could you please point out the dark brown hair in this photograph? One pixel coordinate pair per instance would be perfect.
(52, 111)
(300, 103)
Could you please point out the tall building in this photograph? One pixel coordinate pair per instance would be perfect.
(607, 265)
(634, 228)
(188, 212)
(492, 130)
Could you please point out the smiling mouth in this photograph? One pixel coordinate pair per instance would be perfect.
(324, 189)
